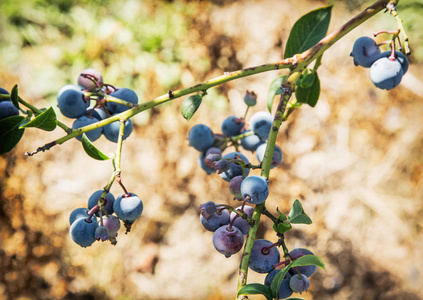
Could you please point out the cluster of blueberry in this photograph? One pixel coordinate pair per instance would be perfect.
(7, 109)
(74, 100)
(85, 229)
(386, 68)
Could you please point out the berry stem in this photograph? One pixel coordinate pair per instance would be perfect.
(392, 9)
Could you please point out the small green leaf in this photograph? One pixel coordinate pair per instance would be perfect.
(305, 260)
(297, 214)
(301, 219)
(46, 121)
(308, 31)
(309, 95)
(91, 150)
(14, 96)
(274, 89)
(10, 133)
(307, 80)
(255, 289)
(190, 106)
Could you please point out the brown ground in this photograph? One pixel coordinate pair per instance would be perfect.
(354, 161)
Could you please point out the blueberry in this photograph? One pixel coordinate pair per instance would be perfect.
(235, 187)
(261, 124)
(87, 83)
(108, 201)
(4, 92)
(83, 232)
(234, 168)
(128, 207)
(101, 233)
(111, 131)
(228, 240)
(216, 220)
(71, 103)
(70, 87)
(207, 209)
(276, 157)
(385, 73)
(123, 94)
(365, 52)
(256, 188)
(202, 163)
(251, 142)
(78, 213)
(263, 256)
(211, 155)
(306, 270)
(201, 137)
(240, 223)
(95, 112)
(284, 290)
(299, 283)
(232, 126)
(401, 57)
(84, 121)
(7, 109)
(112, 223)
(250, 98)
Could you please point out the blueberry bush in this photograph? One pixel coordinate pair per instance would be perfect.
(99, 108)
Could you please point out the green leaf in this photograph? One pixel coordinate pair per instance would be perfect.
(10, 133)
(308, 31)
(297, 214)
(254, 289)
(46, 121)
(91, 150)
(274, 89)
(309, 95)
(305, 260)
(307, 80)
(14, 96)
(190, 106)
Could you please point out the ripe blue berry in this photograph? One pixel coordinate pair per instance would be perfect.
(251, 142)
(83, 232)
(87, 83)
(256, 188)
(385, 73)
(306, 270)
(7, 109)
(95, 112)
(108, 201)
(299, 283)
(232, 126)
(81, 212)
(111, 131)
(201, 137)
(234, 168)
(82, 121)
(123, 94)
(276, 157)
(284, 290)
(228, 240)
(240, 223)
(263, 256)
(365, 52)
(401, 57)
(207, 209)
(71, 103)
(128, 207)
(261, 124)
(216, 220)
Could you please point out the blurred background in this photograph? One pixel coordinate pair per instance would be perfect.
(354, 161)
